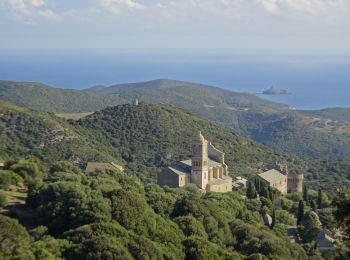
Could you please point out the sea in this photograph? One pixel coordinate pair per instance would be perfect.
(314, 79)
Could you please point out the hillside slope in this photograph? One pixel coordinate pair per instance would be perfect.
(27, 132)
(150, 136)
(323, 133)
(44, 98)
(157, 135)
(144, 138)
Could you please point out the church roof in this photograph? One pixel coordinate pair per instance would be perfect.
(178, 170)
(272, 176)
(211, 163)
(184, 167)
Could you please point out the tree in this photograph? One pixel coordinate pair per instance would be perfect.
(273, 219)
(271, 194)
(199, 248)
(128, 207)
(5, 180)
(342, 213)
(100, 247)
(191, 226)
(3, 200)
(143, 248)
(65, 205)
(300, 214)
(311, 226)
(14, 240)
(306, 195)
(251, 191)
(264, 191)
(29, 168)
(320, 199)
(313, 205)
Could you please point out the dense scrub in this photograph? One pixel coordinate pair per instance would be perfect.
(78, 216)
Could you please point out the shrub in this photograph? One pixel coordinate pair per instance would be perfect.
(190, 226)
(3, 200)
(5, 180)
(65, 205)
(128, 207)
(14, 240)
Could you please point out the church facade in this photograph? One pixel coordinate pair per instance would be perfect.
(206, 169)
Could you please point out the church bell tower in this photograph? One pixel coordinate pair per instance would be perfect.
(199, 173)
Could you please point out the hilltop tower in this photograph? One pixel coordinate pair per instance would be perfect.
(199, 172)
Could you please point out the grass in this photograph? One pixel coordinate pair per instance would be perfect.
(74, 116)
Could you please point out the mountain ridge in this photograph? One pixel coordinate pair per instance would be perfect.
(323, 133)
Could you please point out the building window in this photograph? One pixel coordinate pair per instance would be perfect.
(205, 163)
(205, 175)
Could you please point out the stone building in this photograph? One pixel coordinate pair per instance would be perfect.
(274, 179)
(284, 182)
(206, 169)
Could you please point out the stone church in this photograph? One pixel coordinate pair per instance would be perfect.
(206, 169)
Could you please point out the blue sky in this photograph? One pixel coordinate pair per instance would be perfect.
(171, 24)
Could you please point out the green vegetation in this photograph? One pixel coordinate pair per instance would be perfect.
(145, 137)
(14, 240)
(26, 132)
(80, 216)
(342, 212)
(154, 136)
(323, 133)
(44, 98)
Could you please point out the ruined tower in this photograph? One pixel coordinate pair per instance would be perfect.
(199, 173)
(295, 182)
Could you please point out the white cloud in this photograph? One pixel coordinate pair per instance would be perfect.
(29, 11)
(269, 5)
(38, 3)
(222, 22)
(118, 6)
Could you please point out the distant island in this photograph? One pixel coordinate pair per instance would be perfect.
(275, 91)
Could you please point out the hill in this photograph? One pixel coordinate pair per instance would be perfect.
(317, 134)
(145, 138)
(157, 135)
(44, 98)
(28, 132)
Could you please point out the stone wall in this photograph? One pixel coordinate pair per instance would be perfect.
(216, 154)
(222, 187)
(295, 182)
(170, 179)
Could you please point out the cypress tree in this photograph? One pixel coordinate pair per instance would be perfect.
(264, 192)
(258, 185)
(270, 193)
(306, 195)
(273, 219)
(320, 199)
(300, 214)
(251, 191)
(313, 205)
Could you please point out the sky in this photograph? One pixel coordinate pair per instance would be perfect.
(175, 24)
